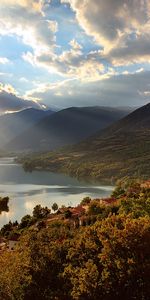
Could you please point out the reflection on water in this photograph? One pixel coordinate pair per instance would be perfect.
(29, 189)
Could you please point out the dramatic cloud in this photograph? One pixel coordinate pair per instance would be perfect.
(71, 63)
(10, 101)
(122, 27)
(125, 89)
(134, 51)
(26, 20)
(73, 52)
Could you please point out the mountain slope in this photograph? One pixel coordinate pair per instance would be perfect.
(15, 123)
(121, 150)
(65, 127)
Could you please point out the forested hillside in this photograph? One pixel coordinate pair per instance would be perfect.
(105, 258)
(121, 150)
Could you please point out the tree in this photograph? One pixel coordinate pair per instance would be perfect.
(118, 192)
(25, 221)
(96, 208)
(40, 212)
(37, 211)
(33, 270)
(68, 214)
(107, 261)
(110, 260)
(125, 257)
(6, 229)
(4, 204)
(55, 206)
(85, 201)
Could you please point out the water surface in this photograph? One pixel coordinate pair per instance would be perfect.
(29, 189)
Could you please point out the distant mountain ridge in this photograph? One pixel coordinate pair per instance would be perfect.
(119, 151)
(65, 127)
(15, 123)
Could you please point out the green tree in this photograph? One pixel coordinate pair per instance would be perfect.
(68, 214)
(6, 229)
(40, 212)
(55, 207)
(85, 201)
(4, 204)
(25, 221)
(118, 192)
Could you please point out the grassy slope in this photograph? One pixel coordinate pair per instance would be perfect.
(119, 151)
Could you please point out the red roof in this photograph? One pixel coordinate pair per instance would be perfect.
(109, 200)
(77, 210)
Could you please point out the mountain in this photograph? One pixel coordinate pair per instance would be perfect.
(14, 124)
(65, 127)
(119, 151)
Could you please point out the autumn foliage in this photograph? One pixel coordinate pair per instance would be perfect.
(107, 260)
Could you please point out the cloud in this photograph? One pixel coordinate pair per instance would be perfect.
(23, 79)
(75, 45)
(26, 20)
(120, 32)
(10, 100)
(122, 27)
(4, 60)
(126, 90)
(133, 51)
(70, 63)
(33, 5)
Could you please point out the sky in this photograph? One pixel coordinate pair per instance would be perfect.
(61, 53)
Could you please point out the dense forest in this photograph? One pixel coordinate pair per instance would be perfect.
(106, 258)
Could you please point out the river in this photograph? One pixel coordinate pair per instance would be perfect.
(26, 190)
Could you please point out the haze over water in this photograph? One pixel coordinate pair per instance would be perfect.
(29, 189)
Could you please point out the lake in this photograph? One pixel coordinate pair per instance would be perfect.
(26, 190)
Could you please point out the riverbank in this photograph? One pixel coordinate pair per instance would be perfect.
(26, 189)
(91, 171)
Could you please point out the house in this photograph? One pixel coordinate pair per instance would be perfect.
(13, 242)
(61, 210)
(77, 211)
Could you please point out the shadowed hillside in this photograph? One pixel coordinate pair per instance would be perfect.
(65, 127)
(15, 123)
(121, 150)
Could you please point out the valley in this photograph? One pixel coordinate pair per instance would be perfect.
(122, 150)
